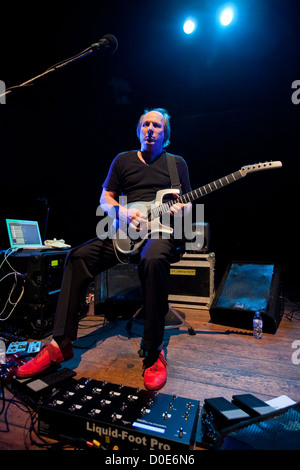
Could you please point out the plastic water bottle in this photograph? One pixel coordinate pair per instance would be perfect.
(2, 352)
(257, 326)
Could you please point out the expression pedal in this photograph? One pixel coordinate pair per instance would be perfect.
(119, 417)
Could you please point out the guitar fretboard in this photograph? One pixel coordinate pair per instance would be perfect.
(196, 193)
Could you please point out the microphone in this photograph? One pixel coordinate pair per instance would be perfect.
(108, 43)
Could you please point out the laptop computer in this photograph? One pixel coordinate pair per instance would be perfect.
(24, 234)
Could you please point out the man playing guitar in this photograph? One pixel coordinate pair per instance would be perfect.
(138, 175)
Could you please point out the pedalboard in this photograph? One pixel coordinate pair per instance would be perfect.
(119, 416)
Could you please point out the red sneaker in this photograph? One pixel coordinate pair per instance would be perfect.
(48, 356)
(155, 376)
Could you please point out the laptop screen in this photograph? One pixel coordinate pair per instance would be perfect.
(23, 233)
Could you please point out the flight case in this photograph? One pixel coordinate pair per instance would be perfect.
(192, 281)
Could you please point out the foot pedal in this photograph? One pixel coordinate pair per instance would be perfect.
(17, 347)
(35, 387)
(52, 380)
(24, 347)
(224, 412)
(252, 405)
(34, 347)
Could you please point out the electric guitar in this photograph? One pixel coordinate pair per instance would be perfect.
(128, 240)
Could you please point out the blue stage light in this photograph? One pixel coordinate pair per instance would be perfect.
(189, 26)
(226, 16)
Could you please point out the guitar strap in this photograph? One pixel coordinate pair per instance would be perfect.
(175, 183)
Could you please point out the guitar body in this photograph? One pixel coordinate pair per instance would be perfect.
(127, 240)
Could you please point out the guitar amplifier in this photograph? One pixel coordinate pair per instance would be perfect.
(117, 289)
(192, 281)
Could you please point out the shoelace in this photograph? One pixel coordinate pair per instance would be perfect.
(162, 359)
(51, 351)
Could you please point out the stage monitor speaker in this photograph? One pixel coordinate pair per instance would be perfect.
(246, 288)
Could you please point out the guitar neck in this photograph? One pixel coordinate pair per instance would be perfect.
(198, 193)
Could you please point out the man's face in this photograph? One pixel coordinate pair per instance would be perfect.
(152, 132)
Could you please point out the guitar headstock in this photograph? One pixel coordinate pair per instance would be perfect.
(259, 166)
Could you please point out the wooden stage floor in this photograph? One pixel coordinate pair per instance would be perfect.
(217, 361)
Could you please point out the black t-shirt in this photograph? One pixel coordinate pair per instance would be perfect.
(129, 176)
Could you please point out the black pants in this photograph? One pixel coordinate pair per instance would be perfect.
(85, 262)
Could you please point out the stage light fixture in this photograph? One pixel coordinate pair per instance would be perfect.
(189, 26)
(226, 16)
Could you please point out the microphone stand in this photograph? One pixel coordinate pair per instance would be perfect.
(46, 223)
(80, 55)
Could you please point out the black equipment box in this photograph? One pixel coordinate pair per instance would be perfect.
(116, 415)
(39, 273)
(192, 281)
(34, 320)
(41, 270)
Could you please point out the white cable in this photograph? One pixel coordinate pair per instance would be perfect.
(9, 297)
(6, 255)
